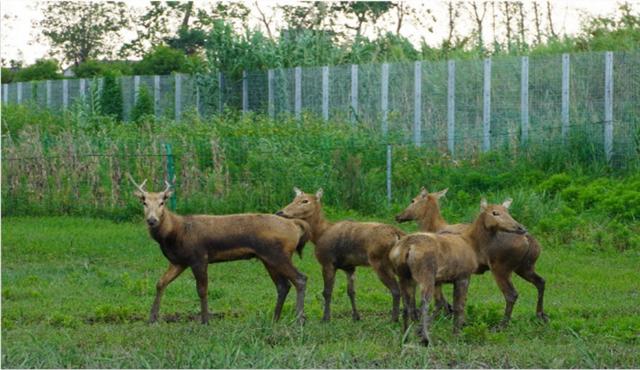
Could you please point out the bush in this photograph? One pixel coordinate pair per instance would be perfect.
(93, 68)
(111, 98)
(144, 105)
(162, 60)
(42, 69)
(7, 75)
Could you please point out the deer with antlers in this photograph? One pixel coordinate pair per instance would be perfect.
(196, 241)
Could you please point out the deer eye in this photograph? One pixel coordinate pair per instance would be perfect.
(413, 201)
(145, 203)
(305, 201)
(161, 203)
(495, 213)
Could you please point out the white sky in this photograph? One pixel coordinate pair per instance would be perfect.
(19, 36)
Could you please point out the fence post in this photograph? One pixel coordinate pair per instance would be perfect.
(565, 96)
(389, 162)
(195, 78)
(220, 91)
(19, 93)
(451, 107)
(298, 92)
(245, 92)
(417, 103)
(486, 107)
(83, 84)
(5, 93)
(48, 94)
(171, 175)
(524, 100)
(384, 97)
(156, 95)
(136, 88)
(354, 93)
(178, 95)
(325, 93)
(608, 105)
(270, 103)
(65, 93)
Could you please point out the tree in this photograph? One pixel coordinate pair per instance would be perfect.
(162, 60)
(111, 97)
(364, 12)
(79, 31)
(479, 18)
(42, 69)
(143, 106)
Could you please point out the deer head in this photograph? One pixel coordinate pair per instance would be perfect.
(154, 203)
(304, 206)
(496, 217)
(422, 204)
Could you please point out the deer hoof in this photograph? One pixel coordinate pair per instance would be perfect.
(542, 317)
(355, 317)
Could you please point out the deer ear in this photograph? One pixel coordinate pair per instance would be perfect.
(507, 203)
(139, 195)
(319, 193)
(168, 194)
(483, 204)
(424, 192)
(297, 191)
(441, 193)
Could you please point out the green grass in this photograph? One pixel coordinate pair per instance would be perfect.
(76, 293)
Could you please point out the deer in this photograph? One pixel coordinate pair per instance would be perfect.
(195, 241)
(507, 253)
(428, 259)
(346, 245)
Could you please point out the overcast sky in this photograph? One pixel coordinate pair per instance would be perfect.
(20, 38)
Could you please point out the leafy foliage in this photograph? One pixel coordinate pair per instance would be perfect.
(143, 106)
(42, 69)
(111, 97)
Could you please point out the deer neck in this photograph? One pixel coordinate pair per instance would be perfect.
(479, 237)
(319, 225)
(431, 220)
(169, 224)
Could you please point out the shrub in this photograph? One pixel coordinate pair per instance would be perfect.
(162, 60)
(144, 105)
(111, 98)
(42, 69)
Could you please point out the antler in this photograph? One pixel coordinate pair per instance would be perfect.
(168, 186)
(140, 187)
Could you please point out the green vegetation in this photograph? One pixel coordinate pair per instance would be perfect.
(76, 293)
(111, 97)
(143, 106)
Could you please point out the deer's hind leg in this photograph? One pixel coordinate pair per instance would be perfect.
(282, 286)
(387, 277)
(351, 291)
(503, 279)
(530, 275)
(441, 303)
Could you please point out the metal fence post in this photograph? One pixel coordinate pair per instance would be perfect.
(417, 103)
(178, 96)
(245, 92)
(325, 93)
(171, 175)
(451, 107)
(389, 162)
(197, 86)
(384, 97)
(608, 105)
(65, 93)
(83, 84)
(5, 94)
(354, 93)
(298, 92)
(220, 92)
(156, 95)
(270, 103)
(565, 96)
(524, 100)
(486, 107)
(48, 94)
(136, 88)
(19, 93)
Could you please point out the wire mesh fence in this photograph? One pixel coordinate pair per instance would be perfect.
(588, 102)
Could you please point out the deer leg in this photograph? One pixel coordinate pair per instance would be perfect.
(200, 273)
(282, 286)
(388, 279)
(407, 291)
(329, 277)
(285, 269)
(503, 279)
(427, 292)
(351, 291)
(441, 302)
(531, 276)
(170, 275)
(460, 288)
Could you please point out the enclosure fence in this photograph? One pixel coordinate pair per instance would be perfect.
(458, 108)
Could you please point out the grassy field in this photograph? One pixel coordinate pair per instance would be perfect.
(76, 293)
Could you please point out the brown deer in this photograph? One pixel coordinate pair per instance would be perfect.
(431, 258)
(507, 253)
(345, 245)
(196, 241)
